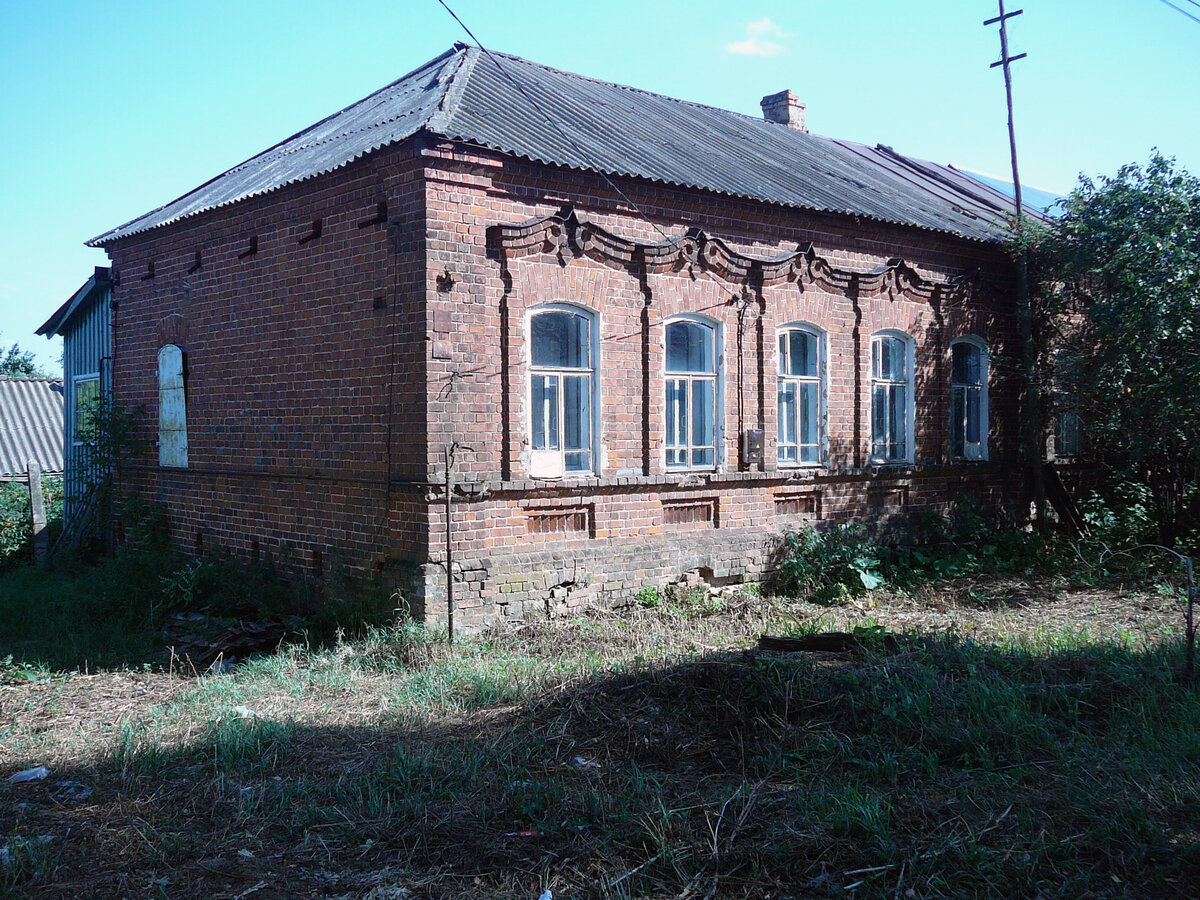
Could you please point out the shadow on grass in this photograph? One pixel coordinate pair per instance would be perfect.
(945, 767)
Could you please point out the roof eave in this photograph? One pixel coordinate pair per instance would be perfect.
(55, 324)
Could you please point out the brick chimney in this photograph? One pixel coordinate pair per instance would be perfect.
(784, 108)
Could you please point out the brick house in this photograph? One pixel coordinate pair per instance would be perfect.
(650, 335)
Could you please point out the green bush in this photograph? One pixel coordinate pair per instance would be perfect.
(16, 529)
(827, 566)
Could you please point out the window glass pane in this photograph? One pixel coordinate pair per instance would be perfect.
(808, 417)
(802, 358)
(787, 412)
(898, 421)
(544, 408)
(578, 461)
(561, 340)
(784, 363)
(87, 395)
(676, 413)
(689, 347)
(890, 360)
(879, 417)
(703, 457)
(787, 454)
(974, 430)
(577, 416)
(965, 364)
(702, 413)
(957, 423)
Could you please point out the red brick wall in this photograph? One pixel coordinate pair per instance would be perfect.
(303, 364)
(477, 400)
(326, 379)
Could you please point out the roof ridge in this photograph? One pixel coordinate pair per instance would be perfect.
(624, 87)
(50, 378)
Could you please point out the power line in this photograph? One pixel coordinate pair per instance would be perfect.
(1183, 12)
(553, 124)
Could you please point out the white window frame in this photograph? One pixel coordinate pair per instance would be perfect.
(172, 408)
(717, 377)
(908, 382)
(821, 380)
(972, 452)
(551, 463)
(76, 381)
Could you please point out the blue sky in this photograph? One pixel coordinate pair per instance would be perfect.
(109, 109)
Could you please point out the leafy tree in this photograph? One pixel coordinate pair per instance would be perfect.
(19, 363)
(1126, 254)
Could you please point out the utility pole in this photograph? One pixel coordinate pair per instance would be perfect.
(1031, 429)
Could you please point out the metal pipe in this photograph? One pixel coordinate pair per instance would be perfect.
(449, 548)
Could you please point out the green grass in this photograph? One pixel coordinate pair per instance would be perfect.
(112, 612)
(621, 756)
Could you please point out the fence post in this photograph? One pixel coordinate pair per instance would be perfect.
(37, 512)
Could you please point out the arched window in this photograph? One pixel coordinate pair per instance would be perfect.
(801, 395)
(891, 397)
(692, 394)
(561, 385)
(172, 409)
(968, 399)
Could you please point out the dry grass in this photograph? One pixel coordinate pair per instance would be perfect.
(1044, 748)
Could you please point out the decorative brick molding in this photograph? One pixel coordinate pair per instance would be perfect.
(567, 236)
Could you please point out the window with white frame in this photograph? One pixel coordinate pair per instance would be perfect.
(692, 394)
(891, 397)
(561, 387)
(801, 395)
(172, 409)
(968, 399)
(86, 400)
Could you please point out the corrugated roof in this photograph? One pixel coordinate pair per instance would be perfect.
(31, 425)
(502, 102)
(62, 317)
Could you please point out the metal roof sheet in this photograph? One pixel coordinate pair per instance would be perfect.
(61, 319)
(31, 425)
(502, 102)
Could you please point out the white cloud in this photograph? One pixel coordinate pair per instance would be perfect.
(758, 40)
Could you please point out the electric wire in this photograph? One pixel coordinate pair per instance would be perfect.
(1183, 12)
(566, 137)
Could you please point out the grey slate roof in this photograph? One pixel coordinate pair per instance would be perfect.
(31, 425)
(469, 96)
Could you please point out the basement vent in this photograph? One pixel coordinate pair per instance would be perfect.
(887, 498)
(559, 520)
(691, 512)
(806, 504)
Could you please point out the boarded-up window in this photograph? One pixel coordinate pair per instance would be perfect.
(172, 408)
